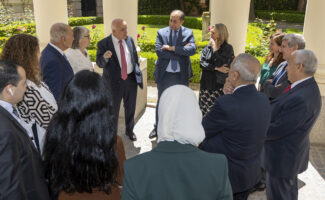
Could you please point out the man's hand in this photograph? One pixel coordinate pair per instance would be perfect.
(222, 69)
(107, 55)
(227, 88)
(168, 48)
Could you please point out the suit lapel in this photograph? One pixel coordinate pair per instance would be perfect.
(129, 44)
(111, 46)
(179, 37)
(170, 38)
(18, 125)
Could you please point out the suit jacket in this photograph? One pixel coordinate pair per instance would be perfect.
(56, 70)
(112, 68)
(182, 53)
(236, 126)
(96, 193)
(176, 171)
(293, 116)
(21, 176)
(273, 91)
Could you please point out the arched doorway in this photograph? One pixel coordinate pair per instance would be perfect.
(88, 8)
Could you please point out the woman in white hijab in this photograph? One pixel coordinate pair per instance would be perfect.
(176, 168)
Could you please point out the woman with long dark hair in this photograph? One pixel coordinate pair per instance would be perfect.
(83, 156)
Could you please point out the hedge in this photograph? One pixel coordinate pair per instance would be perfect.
(288, 16)
(79, 21)
(189, 22)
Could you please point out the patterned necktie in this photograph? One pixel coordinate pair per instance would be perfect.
(174, 62)
(287, 89)
(124, 73)
(279, 75)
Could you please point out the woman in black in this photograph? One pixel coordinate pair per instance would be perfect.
(215, 62)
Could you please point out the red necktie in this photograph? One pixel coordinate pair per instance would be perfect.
(287, 89)
(124, 73)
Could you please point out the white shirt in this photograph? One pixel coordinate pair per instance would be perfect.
(57, 48)
(300, 81)
(239, 86)
(8, 107)
(78, 60)
(126, 52)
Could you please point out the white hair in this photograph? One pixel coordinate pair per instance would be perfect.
(243, 64)
(295, 39)
(57, 31)
(308, 60)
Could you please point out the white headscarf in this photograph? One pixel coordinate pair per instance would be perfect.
(180, 116)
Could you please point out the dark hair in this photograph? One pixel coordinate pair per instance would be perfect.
(181, 16)
(22, 49)
(78, 34)
(277, 37)
(79, 152)
(8, 74)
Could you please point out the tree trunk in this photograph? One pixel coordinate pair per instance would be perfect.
(302, 5)
(252, 11)
(181, 4)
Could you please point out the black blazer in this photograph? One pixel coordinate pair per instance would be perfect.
(293, 116)
(56, 70)
(210, 78)
(112, 68)
(236, 126)
(21, 176)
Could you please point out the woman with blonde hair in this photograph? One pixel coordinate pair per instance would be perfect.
(38, 105)
(215, 62)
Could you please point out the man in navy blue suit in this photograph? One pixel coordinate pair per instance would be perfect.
(293, 116)
(118, 56)
(174, 46)
(56, 69)
(237, 124)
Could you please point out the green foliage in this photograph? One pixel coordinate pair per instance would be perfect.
(293, 30)
(288, 16)
(189, 22)
(79, 21)
(12, 29)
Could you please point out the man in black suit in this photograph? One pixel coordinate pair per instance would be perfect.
(118, 56)
(293, 116)
(56, 69)
(20, 168)
(278, 82)
(237, 123)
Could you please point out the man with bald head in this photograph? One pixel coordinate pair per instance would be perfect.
(118, 56)
(174, 46)
(237, 124)
(56, 69)
(293, 116)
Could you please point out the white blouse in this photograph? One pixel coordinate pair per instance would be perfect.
(78, 60)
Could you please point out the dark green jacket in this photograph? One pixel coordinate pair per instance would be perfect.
(174, 171)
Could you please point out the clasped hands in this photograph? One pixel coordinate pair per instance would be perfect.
(171, 48)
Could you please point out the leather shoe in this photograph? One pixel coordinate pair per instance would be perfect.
(132, 136)
(153, 134)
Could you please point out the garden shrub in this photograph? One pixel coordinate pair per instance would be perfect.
(288, 16)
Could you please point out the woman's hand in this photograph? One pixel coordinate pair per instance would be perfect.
(213, 44)
(222, 69)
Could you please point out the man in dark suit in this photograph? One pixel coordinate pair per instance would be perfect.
(118, 56)
(174, 46)
(55, 67)
(278, 82)
(293, 116)
(237, 123)
(20, 168)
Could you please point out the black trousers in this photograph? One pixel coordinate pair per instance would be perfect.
(281, 188)
(169, 79)
(128, 92)
(241, 195)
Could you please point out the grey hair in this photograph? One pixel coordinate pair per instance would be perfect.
(78, 33)
(244, 65)
(308, 60)
(115, 21)
(181, 14)
(295, 39)
(57, 31)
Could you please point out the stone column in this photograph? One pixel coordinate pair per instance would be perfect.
(314, 31)
(125, 9)
(48, 12)
(234, 14)
(205, 24)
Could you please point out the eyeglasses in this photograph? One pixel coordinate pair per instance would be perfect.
(87, 36)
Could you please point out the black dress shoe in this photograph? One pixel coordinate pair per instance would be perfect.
(153, 134)
(132, 136)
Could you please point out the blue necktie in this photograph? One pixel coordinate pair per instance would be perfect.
(279, 75)
(174, 62)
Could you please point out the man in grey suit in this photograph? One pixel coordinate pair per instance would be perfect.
(21, 176)
(174, 46)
